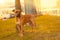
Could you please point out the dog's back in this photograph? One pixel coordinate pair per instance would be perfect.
(27, 17)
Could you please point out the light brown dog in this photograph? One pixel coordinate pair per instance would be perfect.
(21, 20)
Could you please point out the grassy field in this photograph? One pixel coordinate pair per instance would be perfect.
(48, 28)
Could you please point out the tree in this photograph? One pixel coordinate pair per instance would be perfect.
(17, 5)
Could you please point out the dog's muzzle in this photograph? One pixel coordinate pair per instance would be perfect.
(18, 14)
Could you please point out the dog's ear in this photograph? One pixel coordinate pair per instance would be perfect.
(13, 10)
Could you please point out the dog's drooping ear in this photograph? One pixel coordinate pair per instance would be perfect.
(13, 10)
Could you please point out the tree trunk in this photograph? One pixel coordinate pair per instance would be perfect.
(17, 5)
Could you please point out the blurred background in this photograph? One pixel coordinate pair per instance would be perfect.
(44, 7)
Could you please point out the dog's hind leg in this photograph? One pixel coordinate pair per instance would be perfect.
(33, 25)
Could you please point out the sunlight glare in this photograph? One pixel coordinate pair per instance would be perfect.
(12, 0)
(2, 1)
(48, 3)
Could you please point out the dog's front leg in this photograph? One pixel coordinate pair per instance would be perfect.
(21, 30)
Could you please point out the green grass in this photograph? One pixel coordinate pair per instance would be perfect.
(48, 27)
(6, 27)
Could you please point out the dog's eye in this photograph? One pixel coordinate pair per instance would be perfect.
(16, 12)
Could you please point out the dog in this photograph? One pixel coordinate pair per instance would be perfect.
(21, 20)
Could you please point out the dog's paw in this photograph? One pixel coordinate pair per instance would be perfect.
(20, 34)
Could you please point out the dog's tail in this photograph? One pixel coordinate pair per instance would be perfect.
(35, 15)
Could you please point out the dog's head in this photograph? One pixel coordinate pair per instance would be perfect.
(17, 13)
